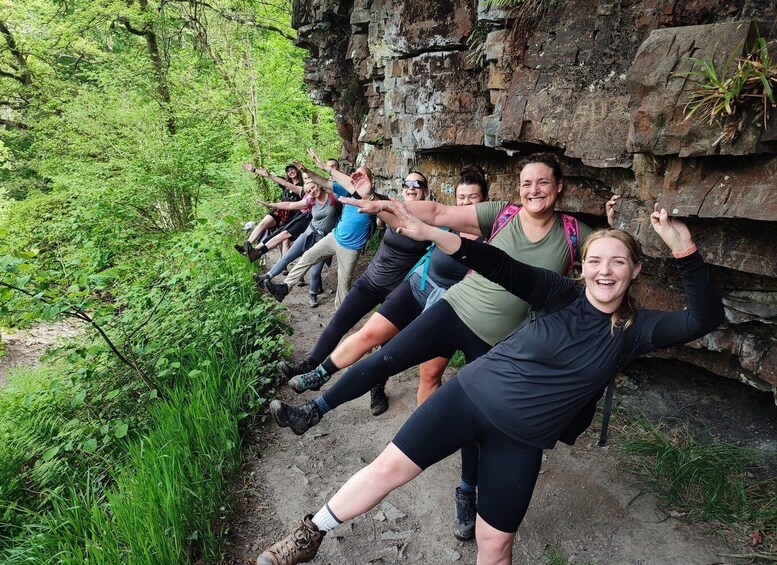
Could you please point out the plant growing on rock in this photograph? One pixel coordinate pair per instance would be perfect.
(743, 86)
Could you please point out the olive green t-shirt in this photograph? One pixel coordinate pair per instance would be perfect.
(490, 311)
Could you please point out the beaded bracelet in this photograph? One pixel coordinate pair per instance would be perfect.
(685, 252)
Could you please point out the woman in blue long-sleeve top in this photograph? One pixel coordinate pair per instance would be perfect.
(519, 398)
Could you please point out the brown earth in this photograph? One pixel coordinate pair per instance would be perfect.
(586, 504)
(23, 348)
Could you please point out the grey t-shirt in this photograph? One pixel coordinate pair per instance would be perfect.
(324, 215)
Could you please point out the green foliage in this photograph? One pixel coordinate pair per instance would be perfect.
(201, 331)
(553, 556)
(718, 482)
(744, 82)
(124, 126)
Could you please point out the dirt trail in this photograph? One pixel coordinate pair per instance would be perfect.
(584, 505)
(23, 348)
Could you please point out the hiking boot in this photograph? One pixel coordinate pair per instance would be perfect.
(279, 291)
(301, 282)
(313, 300)
(299, 418)
(311, 380)
(290, 370)
(260, 279)
(254, 253)
(300, 546)
(242, 248)
(378, 400)
(464, 519)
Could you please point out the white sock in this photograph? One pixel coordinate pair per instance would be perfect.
(325, 520)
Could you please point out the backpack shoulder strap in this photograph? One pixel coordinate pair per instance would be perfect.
(507, 214)
(627, 346)
(572, 233)
(423, 264)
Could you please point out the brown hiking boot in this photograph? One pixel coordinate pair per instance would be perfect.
(300, 546)
(255, 253)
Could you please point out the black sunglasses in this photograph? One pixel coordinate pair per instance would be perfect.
(407, 183)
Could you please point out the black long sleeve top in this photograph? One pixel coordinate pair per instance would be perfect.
(535, 381)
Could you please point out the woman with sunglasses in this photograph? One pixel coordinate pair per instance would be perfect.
(518, 399)
(395, 257)
(434, 274)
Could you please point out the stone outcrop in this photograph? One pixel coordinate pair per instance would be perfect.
(604, 84)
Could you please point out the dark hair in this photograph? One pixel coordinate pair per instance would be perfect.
(336, 162)
(474, 174)
(423, 176)
(299, 174)
(545, 158)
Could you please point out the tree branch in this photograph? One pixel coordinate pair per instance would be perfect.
(12, 124)
(24, 77)
(76, 312)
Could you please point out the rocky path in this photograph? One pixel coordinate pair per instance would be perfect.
(584, 504)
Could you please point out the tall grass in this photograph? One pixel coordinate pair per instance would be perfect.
(718, 482)
(166, 501)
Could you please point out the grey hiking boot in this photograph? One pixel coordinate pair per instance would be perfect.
(279, 291)
(290, 369)
(259, 280)
(313, 300)
(300, 546)
(378, 400)
(299, 418)
(311, 380)
(464, 519)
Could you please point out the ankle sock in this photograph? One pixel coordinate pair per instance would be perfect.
(329, 366)
(325, 520)
(321, 404)
(466, 488)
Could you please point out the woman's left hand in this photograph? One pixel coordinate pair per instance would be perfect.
(673, 231)
(411, 226)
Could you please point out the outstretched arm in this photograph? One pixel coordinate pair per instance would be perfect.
(460, 218)
(299, 205)
(529, 283)
(262, 172)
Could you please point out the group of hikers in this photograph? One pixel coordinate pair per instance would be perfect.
(465, 277)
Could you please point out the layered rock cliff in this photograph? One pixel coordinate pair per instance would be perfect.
(435, 85)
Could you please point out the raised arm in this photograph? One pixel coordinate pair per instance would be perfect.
(262, 172)
(337, 176)
(705, 309)
(313, 176)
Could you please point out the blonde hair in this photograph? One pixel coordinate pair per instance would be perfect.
(624, 315)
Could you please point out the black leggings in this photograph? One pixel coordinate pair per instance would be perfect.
(438, 332)
(508, 470)
(362, 298)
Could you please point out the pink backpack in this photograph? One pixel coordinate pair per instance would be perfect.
(571, 229)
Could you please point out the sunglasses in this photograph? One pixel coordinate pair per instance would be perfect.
(413, 184)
